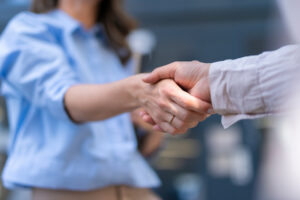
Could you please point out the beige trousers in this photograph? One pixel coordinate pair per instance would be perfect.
(109, 193)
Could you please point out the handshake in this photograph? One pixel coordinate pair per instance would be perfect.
(181, 99)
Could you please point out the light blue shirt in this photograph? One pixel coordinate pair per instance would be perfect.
(41, 56)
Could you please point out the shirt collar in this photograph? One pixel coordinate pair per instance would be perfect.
(66, 20)
(72, 25)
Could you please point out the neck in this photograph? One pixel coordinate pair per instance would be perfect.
(82, 10)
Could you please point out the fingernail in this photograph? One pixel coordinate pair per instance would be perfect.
(141, 113)
(146, 118)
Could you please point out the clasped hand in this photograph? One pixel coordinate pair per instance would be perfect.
(178, 97)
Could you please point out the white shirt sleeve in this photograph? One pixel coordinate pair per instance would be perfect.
(252, 87)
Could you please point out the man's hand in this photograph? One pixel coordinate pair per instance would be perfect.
(192, 76)
(170, 108)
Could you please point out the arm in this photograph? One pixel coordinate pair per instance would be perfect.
(253, 86)
(245, 88)
(99, 102)
(161, 101)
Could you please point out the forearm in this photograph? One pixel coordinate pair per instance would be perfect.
(252, 86)
(99, 102)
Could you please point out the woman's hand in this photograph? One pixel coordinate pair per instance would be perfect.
(148, 119)
(139, 122)
(172, 110)
(149, 141)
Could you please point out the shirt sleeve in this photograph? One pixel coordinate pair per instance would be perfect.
(254, 86)
(34, 66)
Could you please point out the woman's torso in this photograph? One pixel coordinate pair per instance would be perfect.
(51, 152)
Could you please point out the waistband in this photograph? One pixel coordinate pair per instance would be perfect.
(108, 193)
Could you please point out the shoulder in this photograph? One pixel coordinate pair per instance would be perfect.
(31, 24)
(27, 20)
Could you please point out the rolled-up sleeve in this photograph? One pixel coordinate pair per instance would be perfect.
(34, 66)
(254, 86)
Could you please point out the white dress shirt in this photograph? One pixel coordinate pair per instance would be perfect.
(253, 86)
(258, 86)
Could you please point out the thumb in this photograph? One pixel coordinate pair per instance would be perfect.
(165, 72)
(190, 102)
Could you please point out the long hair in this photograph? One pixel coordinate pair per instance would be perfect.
(117, 23)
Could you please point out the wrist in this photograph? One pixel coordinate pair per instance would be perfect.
(207, 69)
(136, 90)
(202, 86)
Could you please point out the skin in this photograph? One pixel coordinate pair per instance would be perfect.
(193, 76)
(88, 102)
(151, 141)
(82, 10)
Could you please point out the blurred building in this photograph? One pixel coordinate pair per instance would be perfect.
(208, 163)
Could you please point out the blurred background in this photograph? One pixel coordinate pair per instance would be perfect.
(209, 163)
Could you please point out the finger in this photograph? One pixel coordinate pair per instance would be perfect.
(165, 72)
(157, 128)
(166, 127)
(160, 113)
(186, 115)
(181, 125)
(142, 113)
(190, 102)
(161, 116)
(187, 101)
(146, 118)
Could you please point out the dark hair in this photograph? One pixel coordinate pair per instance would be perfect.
(117, 23)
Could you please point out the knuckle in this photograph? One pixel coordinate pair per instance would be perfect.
(162, 104)
(185, 116)
(195, 62)
(176, 64)
(180, 124)
(156, 71)
(156, 117)
(171, 91)
(186, 104)
(165, 91)
(171, 129)
(161, 124)
(163, 127)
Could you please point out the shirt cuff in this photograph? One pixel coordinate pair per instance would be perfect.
(229, 120)
(56, 105)
(235, 92)
(253, 86)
